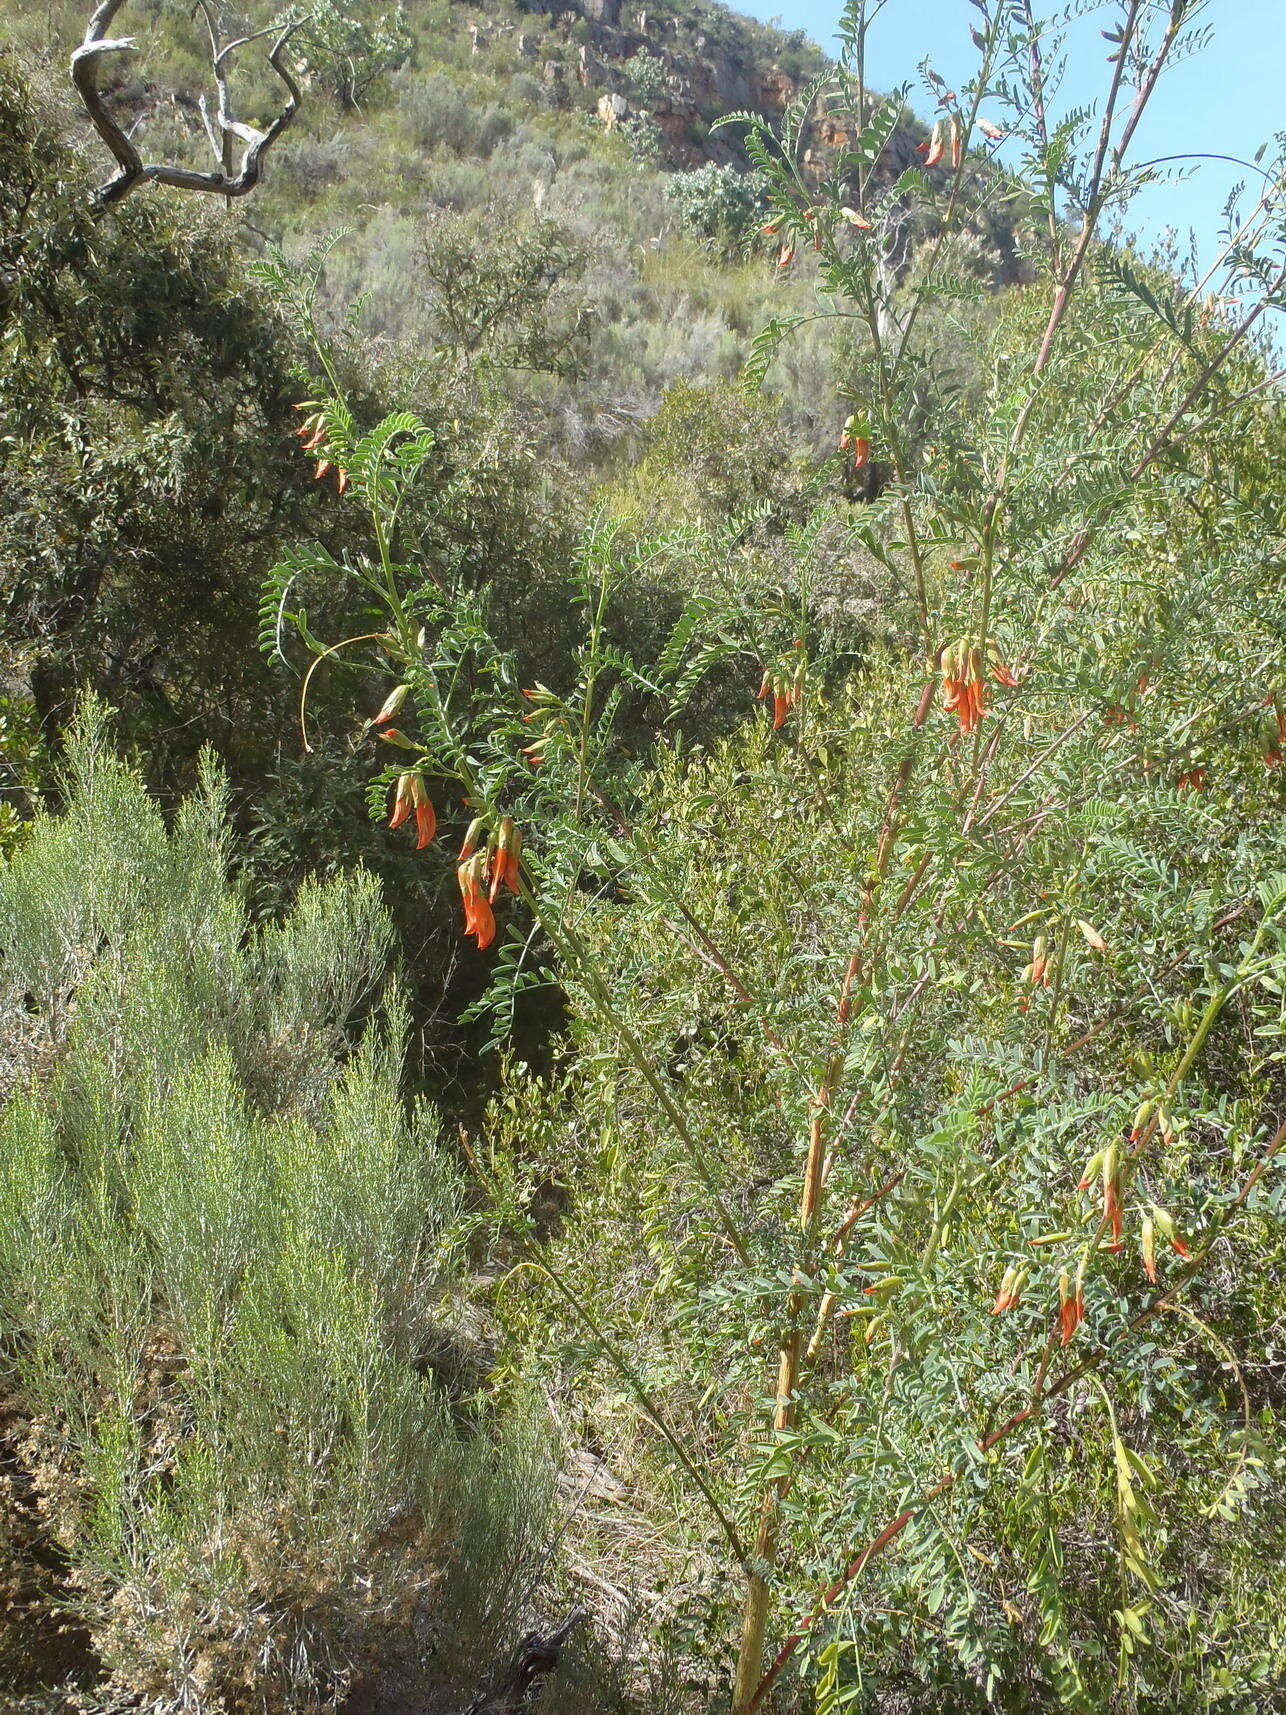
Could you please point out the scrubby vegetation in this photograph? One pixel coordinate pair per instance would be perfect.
(815, 609)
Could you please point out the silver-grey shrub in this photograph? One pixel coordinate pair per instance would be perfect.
(228, 1252)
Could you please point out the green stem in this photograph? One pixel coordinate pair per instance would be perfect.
(645, 1399)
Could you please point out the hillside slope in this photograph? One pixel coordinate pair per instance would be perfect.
(428, 131)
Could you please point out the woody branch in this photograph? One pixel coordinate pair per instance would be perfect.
(132, 170)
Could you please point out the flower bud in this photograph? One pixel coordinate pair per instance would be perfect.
(1091, 1171)
(473, 834)
(1091, 935)
(1148, 1245)
(392, 703)
(931, 148)
(1166, 1226)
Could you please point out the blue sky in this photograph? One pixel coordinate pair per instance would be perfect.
(1227, 100)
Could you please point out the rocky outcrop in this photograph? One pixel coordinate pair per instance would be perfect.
(687, 77)
(703, 80)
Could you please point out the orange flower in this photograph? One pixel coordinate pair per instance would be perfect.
(412, 795)
(963, 692)
(957, 144)
(786, 255)
(1011, 1290)
(504, 864)
(1090, 1173)
(991, 132)
(479, 919)
(855, 217)
(1165, 1224)
(785, 693)
(341, 481)
(1039, 971)
(426, 821)
(403, 801)
(1071, 1307)
(392, 735)
(931, 148)
(999, 672)
(861, 451)
(312, 431)
(1192, 780)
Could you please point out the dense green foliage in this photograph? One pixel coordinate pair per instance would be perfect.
(872, 1089)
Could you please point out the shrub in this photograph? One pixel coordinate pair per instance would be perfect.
(227, 1251)
(346, 49)
(917, 1155)
(437, 113)
(720, 204)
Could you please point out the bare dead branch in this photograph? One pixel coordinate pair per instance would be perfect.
(132, 169)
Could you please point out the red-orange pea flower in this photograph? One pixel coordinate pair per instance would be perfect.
(479, 920)
(964, 692)
(932, 147)
(403, 802)
(1039, 970)
(411, 795)
(504, 863)
(1071, 1307)
(426, 820)
(1011, 1290)
(1166, 1224)
(785, 692)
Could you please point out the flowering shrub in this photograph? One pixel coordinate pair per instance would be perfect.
(925, 1033)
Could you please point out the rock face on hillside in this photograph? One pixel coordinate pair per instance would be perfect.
(671, 73)
(647, 62)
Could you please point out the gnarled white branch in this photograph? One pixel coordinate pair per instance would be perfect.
(132, 169)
